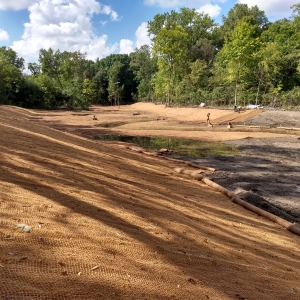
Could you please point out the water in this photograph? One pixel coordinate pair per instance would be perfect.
(182, 147)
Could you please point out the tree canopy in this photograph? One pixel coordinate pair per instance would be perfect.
(246, 59)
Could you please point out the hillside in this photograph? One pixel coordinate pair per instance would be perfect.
(110, 223)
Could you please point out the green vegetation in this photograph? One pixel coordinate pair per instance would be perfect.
(245, 60)
(183, 147)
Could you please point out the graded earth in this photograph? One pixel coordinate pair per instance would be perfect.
(87, 219)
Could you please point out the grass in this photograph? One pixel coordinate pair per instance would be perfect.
(182, 147)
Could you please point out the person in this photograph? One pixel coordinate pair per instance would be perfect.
(234, 108)
(239, 109)
(208, 118)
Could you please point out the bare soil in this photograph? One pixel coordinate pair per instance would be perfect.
(111, 223)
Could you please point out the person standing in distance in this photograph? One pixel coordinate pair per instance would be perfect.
(208, 119)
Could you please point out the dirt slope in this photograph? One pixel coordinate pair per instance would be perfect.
(113, 224)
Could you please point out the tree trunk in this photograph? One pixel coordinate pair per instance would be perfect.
(236, 85)
(235, 93)
(169, 83)
(257, 92)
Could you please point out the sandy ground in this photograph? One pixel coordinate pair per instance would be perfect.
(110, 223)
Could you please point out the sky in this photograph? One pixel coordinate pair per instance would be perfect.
(101, 27)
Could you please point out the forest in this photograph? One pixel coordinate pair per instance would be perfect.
(246, 60)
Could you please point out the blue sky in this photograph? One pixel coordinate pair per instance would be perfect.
(101, 27)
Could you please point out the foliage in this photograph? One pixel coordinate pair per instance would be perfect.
(10, 74)
(143, 66)
(239, 54)
(239, 12)
(191, 60)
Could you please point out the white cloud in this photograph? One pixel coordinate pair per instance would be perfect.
(141, 35)
(176, 3)
(3, 35)
(163, 3)
(126, 46)
(15, 4)
(276, 8)
(108, 11)
(210, 9)
(97, 48)
(103, 23)
(114, 16)
(142, 38)
(65, 25)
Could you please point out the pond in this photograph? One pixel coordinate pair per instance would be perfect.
(182, 147)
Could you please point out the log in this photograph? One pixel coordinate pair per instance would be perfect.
(292, 227)
(258, 126)
(289, 128)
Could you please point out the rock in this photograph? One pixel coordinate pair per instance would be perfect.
(165, 151)
(25, 227)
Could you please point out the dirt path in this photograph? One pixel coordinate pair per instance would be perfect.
(109, 223)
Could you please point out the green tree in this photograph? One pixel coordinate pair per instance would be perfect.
(50, 62)
(67, 70)
(204, 49)
(143, 66)
(10, 74)
(237, 13)
(89, 91)
(12, 58)
(114, 74)
(125, 76)
(52, 93)
(30, 94)
(160, 85)
(240, 52)
(100, 83)
(191, 90)
(170, 49)
(34, 68)
(180, 38)
(196, 25)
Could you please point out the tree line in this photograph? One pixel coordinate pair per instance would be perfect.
(192, 59)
